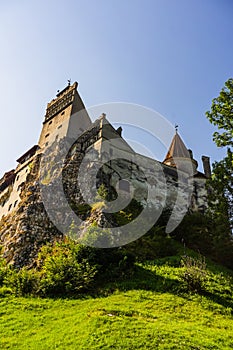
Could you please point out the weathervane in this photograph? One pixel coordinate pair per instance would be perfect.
(69, 81)
(176, 127)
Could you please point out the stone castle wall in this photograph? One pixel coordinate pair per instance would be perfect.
(28, 226)
(36, 196)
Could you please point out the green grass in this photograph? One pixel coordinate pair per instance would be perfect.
(148, 311)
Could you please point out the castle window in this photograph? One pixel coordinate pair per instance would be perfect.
(17, 178)
(15, 203)
(9, 207)
(47, 135)
(59, 127)
(50, 122)
(62, 112)
(124, 185)
(46, 144)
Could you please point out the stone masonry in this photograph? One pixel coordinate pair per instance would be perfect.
(25, 224)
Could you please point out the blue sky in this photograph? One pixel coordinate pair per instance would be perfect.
(172, 56)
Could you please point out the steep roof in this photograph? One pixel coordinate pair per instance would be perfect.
(177, 149)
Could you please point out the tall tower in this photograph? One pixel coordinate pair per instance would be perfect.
(65, 116)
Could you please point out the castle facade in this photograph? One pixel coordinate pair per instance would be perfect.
(67, 120)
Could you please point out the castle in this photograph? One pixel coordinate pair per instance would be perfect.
(67, 124)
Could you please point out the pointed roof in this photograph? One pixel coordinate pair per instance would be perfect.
(177, 149)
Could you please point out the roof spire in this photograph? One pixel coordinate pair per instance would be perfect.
(176, 150)
(176, 128)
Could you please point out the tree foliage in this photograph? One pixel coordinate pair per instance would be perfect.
(222, 182)
(221, 115)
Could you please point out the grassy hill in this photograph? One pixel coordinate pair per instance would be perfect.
(154, 309)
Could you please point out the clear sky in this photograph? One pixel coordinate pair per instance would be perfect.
(169, 55)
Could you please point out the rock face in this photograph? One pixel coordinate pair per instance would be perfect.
(25, 230)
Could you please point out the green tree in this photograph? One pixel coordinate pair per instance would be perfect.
(221, 115)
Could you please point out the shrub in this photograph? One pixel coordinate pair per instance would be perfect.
(154, 244)
(114, 263)
(195, 231)
(194, 274)
(5, 291)
(61, 271)
(102, 192)
(22, 282)
(96, 236)
(71, 268)
(3, 270)
(67, 268)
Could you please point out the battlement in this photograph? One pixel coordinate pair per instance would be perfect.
(63, 100)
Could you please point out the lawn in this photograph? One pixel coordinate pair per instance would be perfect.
(148, 311)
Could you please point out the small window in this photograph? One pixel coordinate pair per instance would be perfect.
(124, 185)
(62, 112)
(17, 178)
(15, 203)
(3, 203)
(50, 122)
(18, 187)
(9, 207)
(59, 127)
(47, 135)
(46, 144)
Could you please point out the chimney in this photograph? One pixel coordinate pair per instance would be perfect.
(190, 153)
(206, 166)
(119, 130)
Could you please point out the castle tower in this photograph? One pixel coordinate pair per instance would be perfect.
(179, 155)
(65, 116)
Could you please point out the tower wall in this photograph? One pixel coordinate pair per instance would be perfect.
(65, 116)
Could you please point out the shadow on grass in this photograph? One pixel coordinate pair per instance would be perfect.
(144, 279)
(223, 300)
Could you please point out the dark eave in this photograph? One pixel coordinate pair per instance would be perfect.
(28, 154)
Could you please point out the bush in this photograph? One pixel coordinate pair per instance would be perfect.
(62, 273)
(195, 230)
(5, 291)
(154, 244)
(194, 274)
(114, 263)
(22, 282)
(3, 270)
(71, 268)
(67, 268)
(96, 236)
